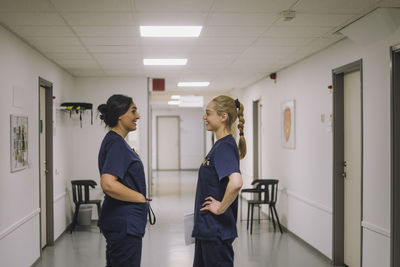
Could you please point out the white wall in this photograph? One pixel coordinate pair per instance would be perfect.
(84, 143)
(191, 135)
(21, 66)
(305, 173)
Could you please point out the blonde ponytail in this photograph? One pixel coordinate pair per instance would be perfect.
(234, 109)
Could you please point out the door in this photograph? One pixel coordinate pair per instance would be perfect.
(347, 165)
(168, 143)
(42, 167)
(352, 169)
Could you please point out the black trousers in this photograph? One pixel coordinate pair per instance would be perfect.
(215, 253)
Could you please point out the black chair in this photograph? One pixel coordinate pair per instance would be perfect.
(266, 191)
(80, 195)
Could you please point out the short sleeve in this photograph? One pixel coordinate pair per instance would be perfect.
(226, 160)
(117, 160)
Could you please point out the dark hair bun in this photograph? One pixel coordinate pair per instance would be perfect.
(103, 109)
(116, 106)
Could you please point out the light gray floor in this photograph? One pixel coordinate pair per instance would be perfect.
(163, 244)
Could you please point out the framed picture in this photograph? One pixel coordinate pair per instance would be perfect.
(288, 124)
(18, 142)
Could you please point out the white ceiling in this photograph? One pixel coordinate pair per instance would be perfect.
(241, 42)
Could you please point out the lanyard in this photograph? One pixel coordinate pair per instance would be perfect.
(152, 216)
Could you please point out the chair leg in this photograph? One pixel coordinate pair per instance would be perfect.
(272, 216)
(248, 215)
(259, 207)
(75, 218)
(251, 223)
(277, 218)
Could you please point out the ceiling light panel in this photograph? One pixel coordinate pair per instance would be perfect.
(170, 31)
(193, 84)
(165, 61)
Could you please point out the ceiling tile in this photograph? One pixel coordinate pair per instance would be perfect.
(270, 6)
(121, 58)
(242, 19)
(218, 50)
(26, 6)
(92, 5)
(172, 5)
(43, 31)
(114, 49)
(46, 48)
(31, 19)
(284, 31)
(226, 41)
(233, 31)
(99, 19)
(320, 20)
(170, 19)
(107, 31)
(78, 63)
(282, 41)
(166, 51)
(53, 41)
(335, 7)
(63, 56)
(82, 72)
(91, 41)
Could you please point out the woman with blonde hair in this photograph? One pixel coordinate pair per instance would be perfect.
(218, 185)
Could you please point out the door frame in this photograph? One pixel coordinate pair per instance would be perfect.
(179, 140)
(395, 156)
(49, 160)
(338, 159)
(257, 172)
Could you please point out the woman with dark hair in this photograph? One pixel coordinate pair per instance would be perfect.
(218, 185)
(123, 217)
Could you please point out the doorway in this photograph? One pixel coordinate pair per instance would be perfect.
(347, 165)
(395, 157)
(46, 163)
(168, 143)
(256, 140)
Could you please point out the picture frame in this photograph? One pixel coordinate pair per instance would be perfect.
(288, 131)
(18, 143)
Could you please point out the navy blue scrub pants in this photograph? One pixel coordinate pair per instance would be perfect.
(215, 253)
(123, 250)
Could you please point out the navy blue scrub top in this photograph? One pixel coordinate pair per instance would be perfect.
(220, 162)
(117, 158)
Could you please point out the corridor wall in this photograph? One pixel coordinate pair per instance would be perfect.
(305, 173)
(21, 67)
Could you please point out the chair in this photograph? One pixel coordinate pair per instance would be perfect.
(266, 191)
(80, 195)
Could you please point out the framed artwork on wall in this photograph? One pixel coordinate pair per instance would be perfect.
(288, 124)
(18, 142)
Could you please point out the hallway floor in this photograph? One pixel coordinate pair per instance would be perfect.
(163, 244)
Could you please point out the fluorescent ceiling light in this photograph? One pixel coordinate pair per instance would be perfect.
(165, 61)
(191, 101)
(170, 31)
(176, 97)
(193, 84)
(173, 102)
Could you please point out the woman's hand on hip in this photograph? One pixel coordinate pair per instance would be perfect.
(212, 205)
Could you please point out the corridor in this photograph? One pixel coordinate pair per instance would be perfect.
(163, 244)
